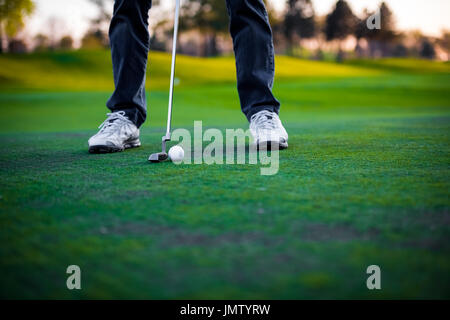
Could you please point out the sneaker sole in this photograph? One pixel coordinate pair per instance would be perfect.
(267, 145)
(111, 149)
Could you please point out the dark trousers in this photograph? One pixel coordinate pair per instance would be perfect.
(253, 48)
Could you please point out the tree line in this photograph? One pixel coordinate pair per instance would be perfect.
(297, 30)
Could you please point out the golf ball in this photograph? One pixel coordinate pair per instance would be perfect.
(176, 154)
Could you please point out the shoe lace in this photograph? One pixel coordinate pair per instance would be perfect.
(265, 120)
(113, 120)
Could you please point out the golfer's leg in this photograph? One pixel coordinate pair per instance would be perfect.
(129, 40)
(253, 47)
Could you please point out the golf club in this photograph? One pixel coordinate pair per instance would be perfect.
(163, 156)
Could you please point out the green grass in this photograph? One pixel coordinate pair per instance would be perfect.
(365, 181)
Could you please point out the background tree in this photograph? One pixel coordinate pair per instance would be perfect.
(66, 43)
(381, 40)
(94, 39)
(97, 35)
(276, 19)
(299, 21)
(17, 46)
(41, 42)
(387, 31)
(340, 23)
(399, 49)
(55, 28)
(361, 31)
(12, 17)
(427, 50)
(444, 42)
(209, 17)
(104, 7)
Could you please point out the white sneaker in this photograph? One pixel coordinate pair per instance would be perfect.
(117, 133)
(267, 130)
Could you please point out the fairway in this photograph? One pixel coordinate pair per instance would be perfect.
(365, 181)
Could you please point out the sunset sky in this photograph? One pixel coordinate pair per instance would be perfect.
(430, 16)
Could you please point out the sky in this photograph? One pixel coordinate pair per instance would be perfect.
(431, 16)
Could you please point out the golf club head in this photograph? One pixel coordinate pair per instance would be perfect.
(158, 157)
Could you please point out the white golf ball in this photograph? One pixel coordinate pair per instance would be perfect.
(176, 154)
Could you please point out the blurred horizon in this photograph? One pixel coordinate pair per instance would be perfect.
(75, 15)
(311, 29)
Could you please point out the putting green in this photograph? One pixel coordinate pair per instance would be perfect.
(365, 181)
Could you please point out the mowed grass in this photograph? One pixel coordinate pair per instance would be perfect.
(365, 181)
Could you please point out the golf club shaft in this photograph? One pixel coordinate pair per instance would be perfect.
(172, 72)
